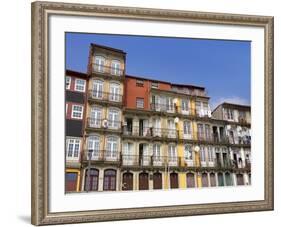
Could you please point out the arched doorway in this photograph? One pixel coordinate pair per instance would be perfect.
(174, 181)
(190, 180)
(91, 181)
(240, 179)
(157, 180)
(109, 180)
(228, 179)
(127, 181)
(143, 181)
(213, 181)
(205, 182)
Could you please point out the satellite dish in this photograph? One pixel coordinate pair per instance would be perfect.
(196, 148)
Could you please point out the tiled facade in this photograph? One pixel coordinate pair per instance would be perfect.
(143, 134)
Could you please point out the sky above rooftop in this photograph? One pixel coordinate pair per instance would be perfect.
(221, 66)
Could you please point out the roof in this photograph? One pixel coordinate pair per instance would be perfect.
(233, 105)
(165, 82)
(76, 73)
(108, 48)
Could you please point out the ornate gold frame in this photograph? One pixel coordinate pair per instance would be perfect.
(40, 14)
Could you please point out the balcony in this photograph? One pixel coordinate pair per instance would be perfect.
(100, 69)
(149, 161)
(105, 97)
(158, 107)
(96, 123)
(101, 156)
(150, 132)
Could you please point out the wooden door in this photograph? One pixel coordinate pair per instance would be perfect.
(205, 182)
(127, 181)
(240, 179)
(213, 180)
(70, 182)
(143, 181)
(190, 180)
(174, 182)
(157, 181)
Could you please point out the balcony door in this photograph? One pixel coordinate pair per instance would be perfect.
(111, 148)
(114, 118)
(95, 120)
(156, 127)
(93, 147)
(187, 132)
(171, 129)
(114, 92)
(99, 64)
(128, 158)
(97, 89)
(157, 155)
(172, 152)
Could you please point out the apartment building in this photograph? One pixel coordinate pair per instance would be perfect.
(75, 98)
(102, 145)
(146, 134)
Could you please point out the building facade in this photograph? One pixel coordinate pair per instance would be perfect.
(145, 134)
(75, 98)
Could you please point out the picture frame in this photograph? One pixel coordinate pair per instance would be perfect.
(41, 12)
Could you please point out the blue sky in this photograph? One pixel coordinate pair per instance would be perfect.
(222, 66)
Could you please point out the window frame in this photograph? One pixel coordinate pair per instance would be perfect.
(67, 87)
(72, 111)
(137, 101)
(74, 143)
(76, 84)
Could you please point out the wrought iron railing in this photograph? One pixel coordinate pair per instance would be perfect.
(105, 96)
(101, 68)
(103, 123)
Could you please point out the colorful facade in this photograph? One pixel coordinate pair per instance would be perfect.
(145, 134)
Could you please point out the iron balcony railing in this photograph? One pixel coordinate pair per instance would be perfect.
(172, 108)
(101, 155)
(105, 96)
(145, 160)
(150, 132)
(101, 68)
(103, 123)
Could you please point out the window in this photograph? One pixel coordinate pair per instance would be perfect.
(172, 153)
(94, 147)
(169, 103)
(72, 148)
(95, 120)
(66, 108)
(202, 154)
(77, 112)
(156, 152)
(127, 152)
(68, 82)
(97, 89)
(109, 180)
(139, 83)
(208, 132)
(184, 105)
(115, 68)
(200, 132)
(188, 152)
(140, 103)
(111, 147)
(114, 92)
(154, 85)
(229, 114)
(186, 128)
(80, 85)
(99, 64)
(114, 118)
(210, 154)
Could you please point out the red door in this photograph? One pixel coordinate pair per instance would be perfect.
(70, 182)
